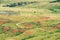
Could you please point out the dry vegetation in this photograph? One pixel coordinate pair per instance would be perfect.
(28, 20)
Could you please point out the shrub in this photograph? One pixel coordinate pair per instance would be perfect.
(12, 5)
(18, 4)
(55, 1)
(58, 0)
(58, 30)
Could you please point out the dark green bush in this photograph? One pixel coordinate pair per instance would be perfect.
(55, 1)
(58, 0)
(18, 4)
(12, 5)
(58, 30)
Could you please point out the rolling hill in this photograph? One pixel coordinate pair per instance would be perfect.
(29, 20)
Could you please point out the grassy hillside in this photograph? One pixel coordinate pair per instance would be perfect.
(29, 20)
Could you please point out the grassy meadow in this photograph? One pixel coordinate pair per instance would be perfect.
(29, 20)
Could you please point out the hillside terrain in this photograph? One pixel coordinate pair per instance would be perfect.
(29, 19)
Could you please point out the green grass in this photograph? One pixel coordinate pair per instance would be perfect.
(41, 17)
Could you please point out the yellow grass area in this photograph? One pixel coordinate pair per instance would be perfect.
(29, 14)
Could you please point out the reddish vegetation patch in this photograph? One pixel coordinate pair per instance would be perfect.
(22, 30)
(29, 25)
(57, 26)
(30, 32)
(42, 28)
(45, 18)
(14, 30)
(6, 28)
(1, 22)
